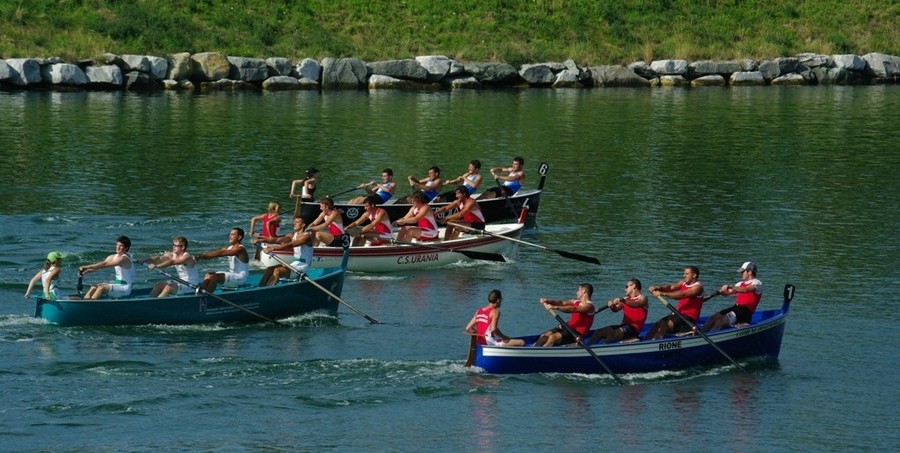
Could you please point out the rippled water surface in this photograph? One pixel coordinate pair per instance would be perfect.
(802, 180)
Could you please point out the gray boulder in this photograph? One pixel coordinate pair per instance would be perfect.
(210, 66)
(130, 63)
(673, 81)
(281, 83)
(882, 66)
(24, 71)
(643, 69)
(712, 80)
(138, 81)
(108, 76)
(747, 78)
(343, 73)
(400, 69)
(837, 76)
(437, 66)
(850, 62)
(63, 74)
(669, 67)
(769, 69)
(179, 66)
(709, 67)
(378, 81)
(5, 72)
(309, 69)
(494, 74)
(537, 74)
(616, 76)
(814, 60)
(789, 64)
(279, 66)
(248, 69)
(159, 67)
(463, 82)
(180, 84)
(790, 79)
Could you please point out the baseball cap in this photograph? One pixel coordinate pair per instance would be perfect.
(54, 256)
(311, 171)
(748, 266)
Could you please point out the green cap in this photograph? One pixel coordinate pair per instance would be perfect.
(54, 256)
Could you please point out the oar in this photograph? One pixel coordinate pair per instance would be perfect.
(596, 312)
(509, 204)
(470, 359)
(80, 285)
(325, 290)
(469, 253)
(563, 253)
(580, 342)
(695, 329)
(716, 293)
(220, 299)
(343, 192)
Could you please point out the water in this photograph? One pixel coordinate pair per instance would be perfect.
(801, 180)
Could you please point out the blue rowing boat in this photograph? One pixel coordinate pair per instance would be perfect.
(760, 338)
(238, 305)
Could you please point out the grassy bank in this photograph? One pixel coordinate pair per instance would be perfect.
(515, 31)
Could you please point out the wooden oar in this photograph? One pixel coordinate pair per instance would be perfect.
(475, 255)
(695, 329)
(220, 299)
(509, 204)
(470, 359)
(563, 253)
(587, 348)
(325, 290)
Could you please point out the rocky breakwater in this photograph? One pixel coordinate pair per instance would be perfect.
(215, 71)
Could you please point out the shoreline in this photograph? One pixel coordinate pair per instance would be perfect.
(214, 71)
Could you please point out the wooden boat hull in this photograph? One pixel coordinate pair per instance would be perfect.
(274, 302)
(761, 338)
(391, 258)
(494, 209)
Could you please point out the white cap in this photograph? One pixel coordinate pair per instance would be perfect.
(748, 266)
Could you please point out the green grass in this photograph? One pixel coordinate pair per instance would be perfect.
(514, 31)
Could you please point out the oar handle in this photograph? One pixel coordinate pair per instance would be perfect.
(587, 348)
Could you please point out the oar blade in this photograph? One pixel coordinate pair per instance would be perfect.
(575, 256)
(481, 255)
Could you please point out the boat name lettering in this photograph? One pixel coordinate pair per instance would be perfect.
(670, 345)
(751, 331)
(413, 259)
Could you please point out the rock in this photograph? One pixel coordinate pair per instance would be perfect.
(378, 81)
(709, 67)
(769, 69)
(747, 78)
(279, 66)
(882, 66)
(837, 76)
(851, 62)
(814, 60)
(748, 65)
(138, 81)
(343, 73)
(248, 69)
(568, 78)
(5, 72)
(643, 69)
(24, 71)
(209, 66)
(106, 76)
(494, 74)
(308, 84)
(537, 74)
(281, 83)
(130, 63)
(179, 67)
(672, 81)
(400, 69)
(616, 76)
(463, 82)
(437, 66)
(63, 74)
(159, 67)
(309, 69)
(712, 80)
(790, 79)
(669, 67)
(789, 64)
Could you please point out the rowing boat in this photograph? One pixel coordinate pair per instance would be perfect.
(413, 255)
(494, 209)
(247, 303)
(760, 338)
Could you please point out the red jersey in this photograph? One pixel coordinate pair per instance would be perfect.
(690, 306)
(634, 317)
(268, 229)
(751, 299)
(383, 228)
(482, 323)
(581, 322)
(474, 215)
